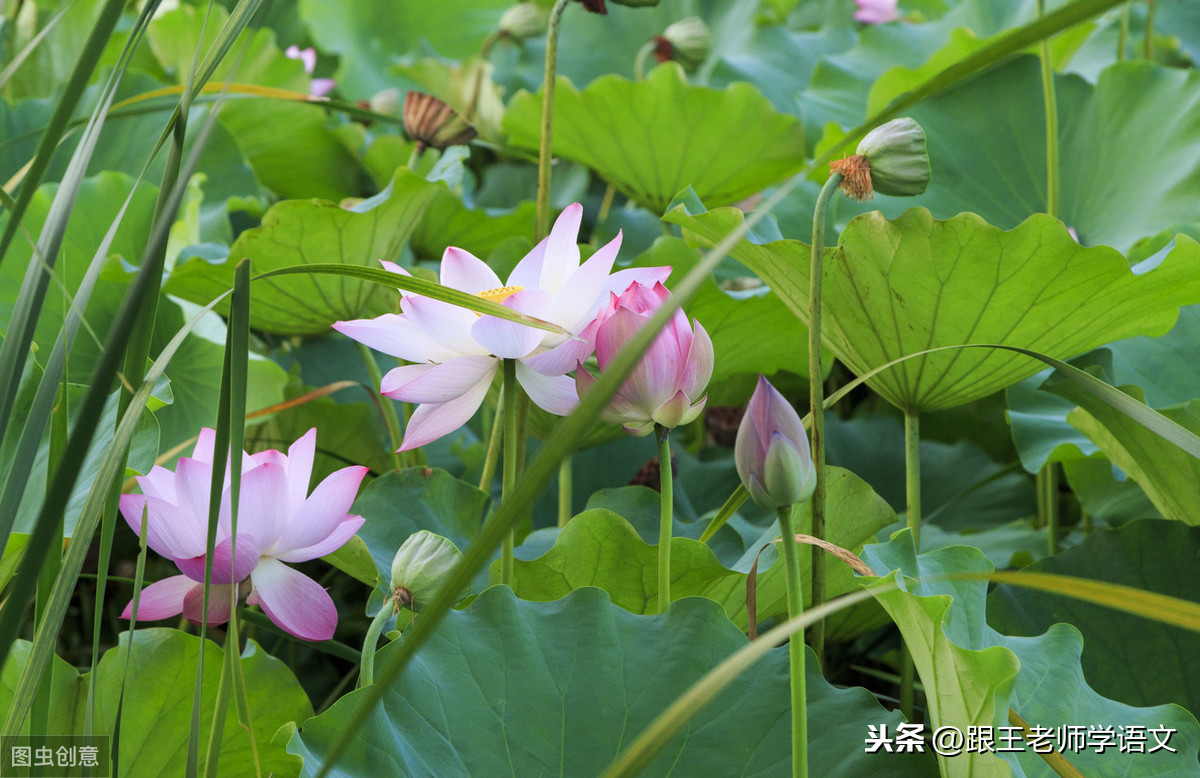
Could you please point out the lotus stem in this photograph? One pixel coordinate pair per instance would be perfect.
(564, 491)
(511, 449)
(816, 388)
(795, 603)
(666, 516)
(543, 194)
(385, 405)
(1051, 103)
(366, 674)
(912, 482)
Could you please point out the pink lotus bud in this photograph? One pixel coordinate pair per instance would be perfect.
(876, 11)
(667, 387)
(771, 451)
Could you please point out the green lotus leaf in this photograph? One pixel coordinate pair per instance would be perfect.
(560, 688)
(893, 288)
(1125, 657)
(154, 691)
(651, 139)
(299, 232)
(599, 548)
(973, 675)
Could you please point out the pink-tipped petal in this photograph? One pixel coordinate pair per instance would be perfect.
(395, 335)
(193, 482)
(161, 599)
(699, 365)
(220, 603)
(307, 57)
(584, 291)
(132, 506)
(464, 271)
(160, 483)
(392, 267)
(319, 87)
(295, 602)
(508, 339)
(300, 457)
(555, 394)
(433, 420)
(528, 272)
(173, 532)
(444, 323)
(203, 450)
(621, 280)
(226, 569)
(327, 545)
(437, 383)
(562, 249)
(263, 505)
(322, 512)
(564, 357)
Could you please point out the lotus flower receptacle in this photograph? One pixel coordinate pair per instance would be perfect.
(419, 567)
(891, 159)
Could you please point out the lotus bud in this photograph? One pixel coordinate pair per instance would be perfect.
(431, 122)
(771, 451)
(524, 20)
(420, 566)
(667, 387)
(385, 100)
(595, 6)
(687, 42)
(891, 160)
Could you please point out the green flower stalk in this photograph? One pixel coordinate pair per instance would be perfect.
(772, 458)
(891, 160)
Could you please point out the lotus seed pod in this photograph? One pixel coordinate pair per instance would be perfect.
(431, 122)
(420, 566)
(897, 158)
(524, 20)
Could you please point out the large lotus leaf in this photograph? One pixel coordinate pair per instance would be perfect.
(299, 232)
(288, 144)
(973, 674)
(1124, 173)
(1164, 368)
(651, 139)
(52, 60)
(1105, 493)
(599, 548)
(893, 288)
(560, 688)
(1126, 657)
(99, 199)
(1169, 476)
(448, 222)
(369, 35)
(402, 502)
(156, 703)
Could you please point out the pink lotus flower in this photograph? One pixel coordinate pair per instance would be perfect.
(771, 451)
(278, 522)
(876, 11)
(318, 87)
(667, 387)
(457, 352)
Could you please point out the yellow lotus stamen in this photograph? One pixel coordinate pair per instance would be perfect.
(501, 294)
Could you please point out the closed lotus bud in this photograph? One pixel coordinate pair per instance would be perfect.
(524, 20)
(771, 451)
(431, 122)
(420, 566)
(385, 100)
(891, 160)
(687, 42)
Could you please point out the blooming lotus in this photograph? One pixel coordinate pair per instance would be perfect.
(319, 87)
(667, 386)
(771, 450)
(457, 352)
(876, 11)
(278, 522)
